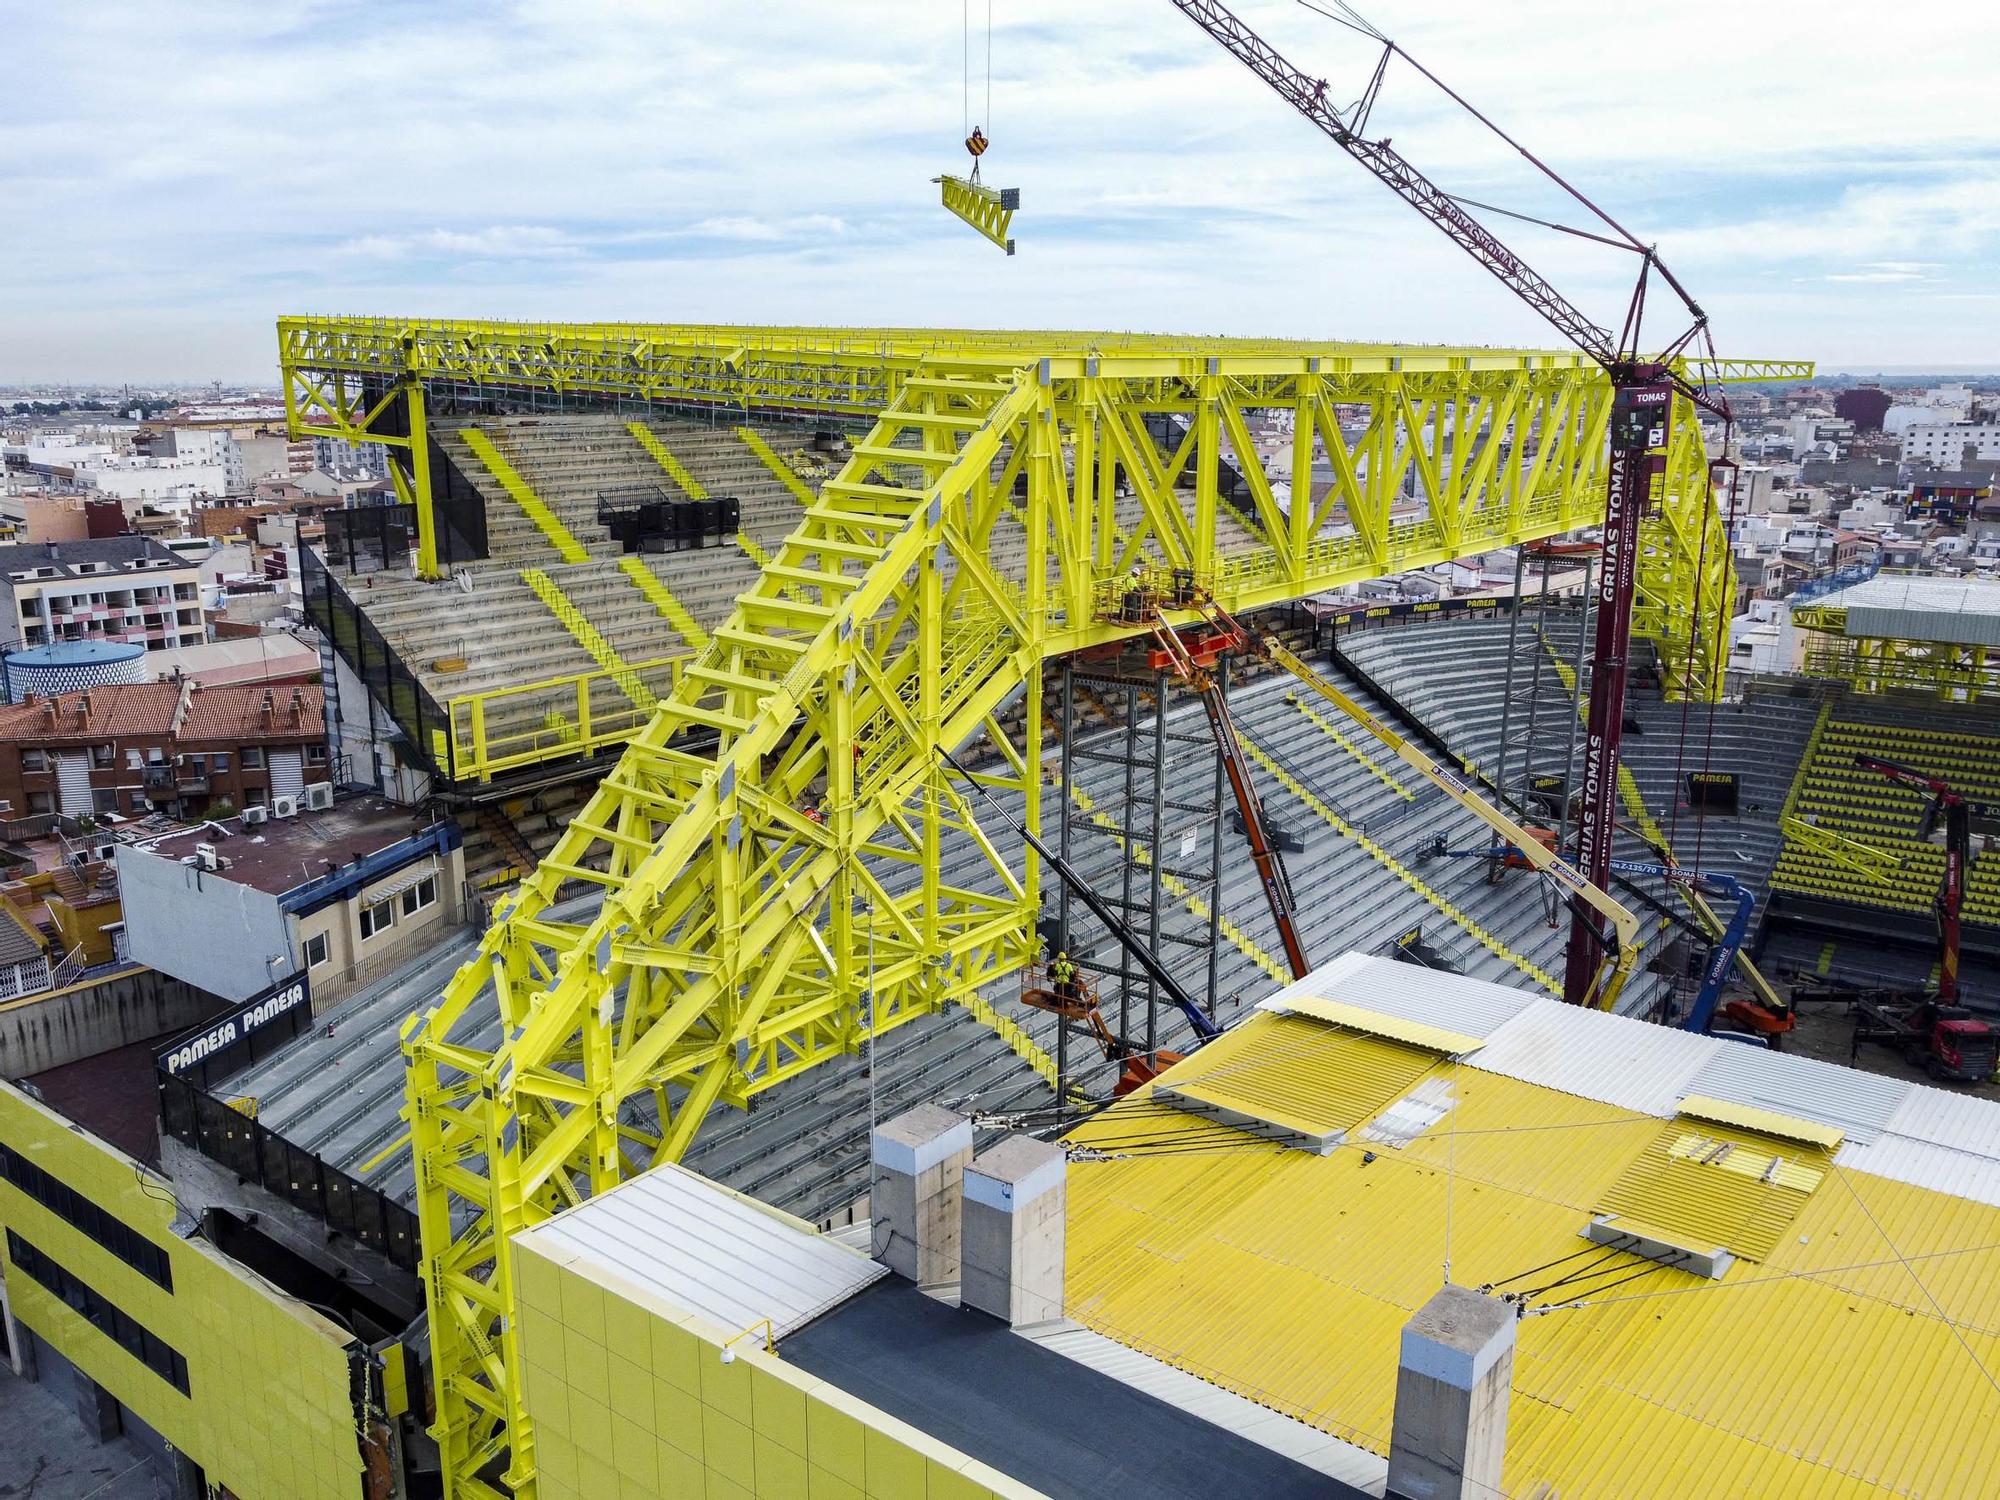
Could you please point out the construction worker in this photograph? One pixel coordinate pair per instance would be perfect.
(1062, 975)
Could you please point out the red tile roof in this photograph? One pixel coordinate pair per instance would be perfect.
(146, 711)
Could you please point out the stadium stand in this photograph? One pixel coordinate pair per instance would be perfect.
(1961, 745)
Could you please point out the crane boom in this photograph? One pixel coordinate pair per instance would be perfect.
(1723, 951)
(1643, 392)
(1308, 96)
(1256, 832)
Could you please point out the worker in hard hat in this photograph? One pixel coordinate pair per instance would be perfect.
(1063, 976)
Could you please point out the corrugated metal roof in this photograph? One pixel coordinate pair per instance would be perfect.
(1949, 1143)
(1712, 1186)
(1423, 1034)
(1922, 609)
(1838, 1367)
(719, 1255)
(1763, 1121)
(1295, 1078)
(1614, 1059)
(1472, 1006)
(1857, 1103)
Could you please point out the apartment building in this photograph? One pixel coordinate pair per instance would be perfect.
(121, 588)
(178, 748)
(1945, 444)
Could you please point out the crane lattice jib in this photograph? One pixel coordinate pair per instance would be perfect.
(769, 847)
(1308, 96)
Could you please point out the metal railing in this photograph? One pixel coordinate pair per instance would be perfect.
(229, 1136)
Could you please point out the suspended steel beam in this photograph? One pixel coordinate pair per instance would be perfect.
(988, 210)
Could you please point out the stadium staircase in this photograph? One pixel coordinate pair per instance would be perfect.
(589, 637)
(662, 455)
(662, 599)
(516, 489)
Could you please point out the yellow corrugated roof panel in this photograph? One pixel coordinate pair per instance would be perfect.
(1713, 1186)
(1826, 1371)
(1763, 1121)
(1305, 1079)
(1378, 1023)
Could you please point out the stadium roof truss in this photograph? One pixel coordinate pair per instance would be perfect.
(741, 940)
(1923, 634)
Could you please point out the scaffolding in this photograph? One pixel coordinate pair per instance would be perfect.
(1170, 843)
(1531, 775)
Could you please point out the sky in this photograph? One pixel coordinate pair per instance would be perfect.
(1825, 179)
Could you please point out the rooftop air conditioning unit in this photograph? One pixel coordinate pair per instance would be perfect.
(252, 816)
(284, 807)
(205, 856)
(319, 796)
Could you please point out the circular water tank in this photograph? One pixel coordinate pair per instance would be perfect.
(68, 666)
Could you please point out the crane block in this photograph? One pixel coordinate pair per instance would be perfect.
(988, 210)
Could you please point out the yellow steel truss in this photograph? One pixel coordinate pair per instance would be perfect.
(771, 841)
(988, 210)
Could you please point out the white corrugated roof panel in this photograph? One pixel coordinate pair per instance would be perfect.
(1410, 1116)
(1947, 1142)
(1474, 1007)
(1963, 611)
(717, 1254)
(1857, 1103)
(1617, 1060)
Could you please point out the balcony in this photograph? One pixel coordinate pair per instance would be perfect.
(174, 781)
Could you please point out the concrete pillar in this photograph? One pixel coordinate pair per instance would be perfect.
(1449, 1438)
(188, 1481)
(96, 1408)
(1015, 1197)
(919, 1166)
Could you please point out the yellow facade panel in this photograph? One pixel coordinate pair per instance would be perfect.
(267, 1411)
(1826, 1371)
(637, 1401)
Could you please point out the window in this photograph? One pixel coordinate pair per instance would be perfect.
(41, 802)
(34, 760)
(104, 1315)
(103, 756)
(377, 918)
(315, 755)
(253, 758)
(417, 897)
(67, 1204)
(219, 762)
(316, 950)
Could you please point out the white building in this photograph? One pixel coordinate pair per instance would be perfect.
(1944, 444)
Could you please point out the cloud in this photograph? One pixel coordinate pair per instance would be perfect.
(178, 187)
(764, 231)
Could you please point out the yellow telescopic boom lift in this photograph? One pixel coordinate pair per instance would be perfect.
(1617, 964)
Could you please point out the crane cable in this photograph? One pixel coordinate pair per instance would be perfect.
(965, 75)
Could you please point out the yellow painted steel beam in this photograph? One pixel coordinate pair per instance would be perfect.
(916, 597)
(988, 210)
